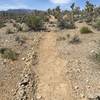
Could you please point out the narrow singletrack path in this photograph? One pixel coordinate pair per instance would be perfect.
(53, 84)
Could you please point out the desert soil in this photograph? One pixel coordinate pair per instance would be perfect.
(64, 71)
(81, 68)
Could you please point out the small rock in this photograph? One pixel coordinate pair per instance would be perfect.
(21, 92)
(76, 87)
(23, 59)
(39, 97)
(5, 61)
(82, 95)
(93, 52)
(78, 70)
(87, 80)
(95, 98)
(27, 60)
(25, 81)
(88, 87)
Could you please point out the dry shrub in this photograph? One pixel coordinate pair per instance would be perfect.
(8, 54)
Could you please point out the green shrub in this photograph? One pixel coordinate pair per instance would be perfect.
(62, 24)
(8, 54)
(35, 22)
(85, 30)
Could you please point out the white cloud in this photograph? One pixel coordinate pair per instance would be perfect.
(60, 1)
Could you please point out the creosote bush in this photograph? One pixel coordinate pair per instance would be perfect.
(8, 54)
(62, 24)
(85, 30)
(35, 22)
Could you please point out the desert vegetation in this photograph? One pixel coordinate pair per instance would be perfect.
(85, 30)
(96, 24)
(35, 22)
(65, 19)
(46, 54)
(75, 39)
(9, 31)
(8, 54)
(63, 24)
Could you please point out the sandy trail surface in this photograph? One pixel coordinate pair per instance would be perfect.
(53, 84)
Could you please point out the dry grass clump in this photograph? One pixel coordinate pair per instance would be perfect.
(75, 39)
(20, 40)
(8, 54)
(97, 24)
(61, 38)
(96, 57)
(9, 31)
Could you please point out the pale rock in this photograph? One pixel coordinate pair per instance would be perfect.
(23, 59)
(76, 87)
(82, 95)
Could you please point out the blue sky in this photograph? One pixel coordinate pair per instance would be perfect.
(41, 4)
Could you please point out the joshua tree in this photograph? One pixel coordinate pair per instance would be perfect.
(89, 9)
(77, 11)
(49, 11)
(57, 12)
(58, 9)
(72, 8)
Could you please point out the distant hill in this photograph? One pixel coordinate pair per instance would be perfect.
(19, 11)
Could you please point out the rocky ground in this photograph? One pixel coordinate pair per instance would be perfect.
(50, 65)
(83, 71)
(14, 73)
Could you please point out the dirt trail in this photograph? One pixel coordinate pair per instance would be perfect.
(53, 84)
